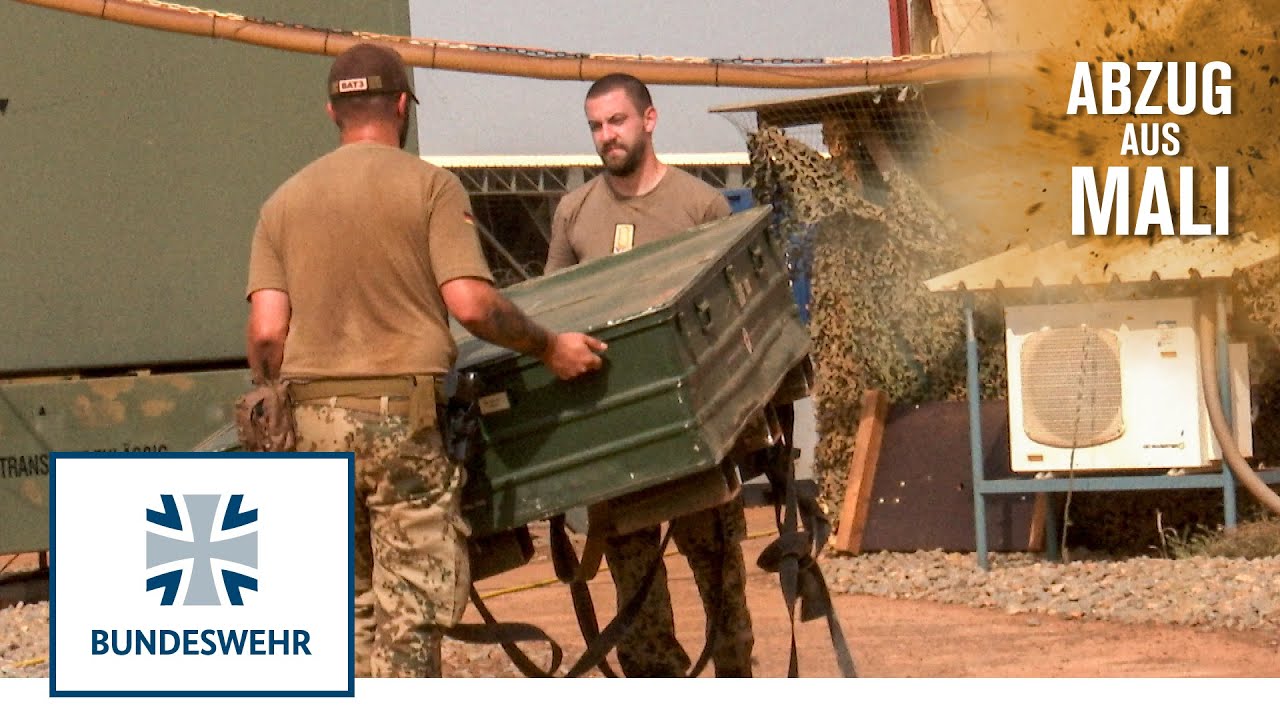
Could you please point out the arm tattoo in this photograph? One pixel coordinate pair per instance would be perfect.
(512, 328)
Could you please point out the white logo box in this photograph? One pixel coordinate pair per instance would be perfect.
(293, 537)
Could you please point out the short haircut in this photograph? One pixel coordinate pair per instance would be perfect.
(634, 88)
(364, 109)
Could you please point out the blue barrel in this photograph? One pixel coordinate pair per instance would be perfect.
(739, 199)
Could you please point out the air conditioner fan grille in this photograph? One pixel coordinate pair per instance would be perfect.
(1071, 390)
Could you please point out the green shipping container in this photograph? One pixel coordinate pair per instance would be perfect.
(134, 162)
(702, 332)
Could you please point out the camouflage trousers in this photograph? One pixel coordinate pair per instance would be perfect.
(412, 571)
(711, 540)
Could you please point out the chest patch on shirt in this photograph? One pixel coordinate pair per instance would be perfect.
(624, 235)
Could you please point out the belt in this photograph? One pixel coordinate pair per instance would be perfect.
(380, 405)
(412, 395)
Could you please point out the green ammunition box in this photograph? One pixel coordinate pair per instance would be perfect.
(702, 332)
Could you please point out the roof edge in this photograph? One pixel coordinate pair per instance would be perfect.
(566, 161)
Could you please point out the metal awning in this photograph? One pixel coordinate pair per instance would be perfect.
(811, 109)
(585, 161)
(1104, 261)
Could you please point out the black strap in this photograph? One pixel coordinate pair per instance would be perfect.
(791, 555)
(565, 562)
(621, 622)
(599, 647)
(507, 635)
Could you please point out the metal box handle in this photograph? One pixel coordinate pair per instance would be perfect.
(704, 313)
(757, 259)
(741, 288)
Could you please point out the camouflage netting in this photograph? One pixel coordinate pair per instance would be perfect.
(873, 322)
(877, 195)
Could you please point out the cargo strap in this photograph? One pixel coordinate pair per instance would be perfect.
(507, 634)
(792, 554)
(599, 527)
(492, 632)
(569, 571)
(415, 396)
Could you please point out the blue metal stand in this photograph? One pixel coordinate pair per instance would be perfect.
(982, 487)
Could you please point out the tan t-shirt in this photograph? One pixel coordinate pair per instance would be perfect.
(593, 221)
(361, 239)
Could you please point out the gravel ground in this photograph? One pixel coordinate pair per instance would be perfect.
(24, 640)
(1206, 593)
(1212, 593)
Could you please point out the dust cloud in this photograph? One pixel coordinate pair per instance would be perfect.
(1005, 170)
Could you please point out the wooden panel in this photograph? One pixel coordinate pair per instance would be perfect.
(923, 493)
(862, 471)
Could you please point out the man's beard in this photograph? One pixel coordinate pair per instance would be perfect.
(404, 131)
(625, 165)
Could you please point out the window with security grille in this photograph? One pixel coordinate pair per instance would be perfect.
(1071, 389)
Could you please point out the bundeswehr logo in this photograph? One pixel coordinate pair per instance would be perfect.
(204, 552)
(201, 574)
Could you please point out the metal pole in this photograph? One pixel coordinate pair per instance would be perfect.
(1052, 521)
(1224, 389)
(975, 433)
(501, 251)
(900, 27)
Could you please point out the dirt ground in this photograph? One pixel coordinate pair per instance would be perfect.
(888, 638)
(901, 638)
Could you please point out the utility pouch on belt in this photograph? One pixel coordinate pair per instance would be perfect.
(264, 419)
(422, 404)
(460, 426)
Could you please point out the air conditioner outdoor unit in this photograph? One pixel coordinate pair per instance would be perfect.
(1114, 386)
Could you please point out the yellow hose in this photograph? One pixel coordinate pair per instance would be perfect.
(543, 63)
(518, 588)
(552, 581)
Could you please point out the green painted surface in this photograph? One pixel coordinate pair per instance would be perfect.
(701, 331)
(149, 413)
(134, 164)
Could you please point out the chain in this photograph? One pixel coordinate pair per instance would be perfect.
(516, 50)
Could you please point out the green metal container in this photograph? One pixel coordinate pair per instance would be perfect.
(134, 163)
(702, 331)
(143, 413)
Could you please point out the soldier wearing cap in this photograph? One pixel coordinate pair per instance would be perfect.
(356, 263)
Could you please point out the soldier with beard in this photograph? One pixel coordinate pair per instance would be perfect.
(636, 200)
